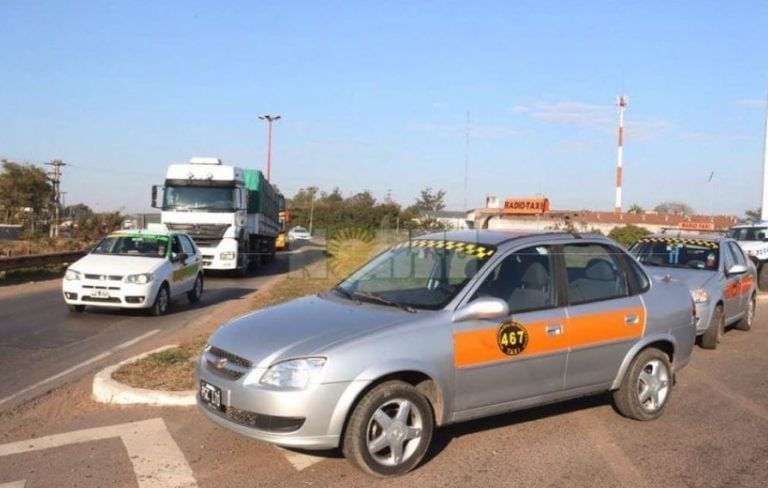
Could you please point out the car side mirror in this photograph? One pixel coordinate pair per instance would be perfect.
(179, 258)
(737, 269)
(482, 309)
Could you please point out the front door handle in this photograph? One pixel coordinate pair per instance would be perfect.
(554, 330)
(632, 319)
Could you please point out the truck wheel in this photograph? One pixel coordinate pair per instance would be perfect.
(160, 306)
(762, 276)
(714, 332)
(76, 308)
(749, 315)
(645, 389)
(196, 292)
(389, 430)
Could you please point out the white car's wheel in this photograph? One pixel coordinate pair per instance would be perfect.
(196, 292)
(645, 389)
(163, 298)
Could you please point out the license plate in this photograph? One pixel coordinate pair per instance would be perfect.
(100, 293)
(210, 394)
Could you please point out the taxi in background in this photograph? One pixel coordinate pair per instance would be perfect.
(722, 280)
(136, 269)
(446, 328)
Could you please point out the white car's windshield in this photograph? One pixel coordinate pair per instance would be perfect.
(749, 233)
(143, 245)
(420, 274)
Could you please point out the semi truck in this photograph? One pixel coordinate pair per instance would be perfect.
(230, 212)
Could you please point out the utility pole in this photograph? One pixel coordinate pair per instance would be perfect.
(466, 163)
(764, 199)
(622, 101)
(269, 118)
(55, 175)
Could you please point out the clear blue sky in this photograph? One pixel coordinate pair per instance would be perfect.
(374, 95)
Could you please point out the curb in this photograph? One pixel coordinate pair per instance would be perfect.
(107, 390)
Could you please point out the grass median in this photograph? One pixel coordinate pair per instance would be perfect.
(174, 369)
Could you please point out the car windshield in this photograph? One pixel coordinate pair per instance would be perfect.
(139, 245)
(198, 198)
(748, 233)
(677, 253)
(419, 274)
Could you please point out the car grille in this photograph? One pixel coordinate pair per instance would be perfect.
(269, 423)
(86, 298)
(96, 287)
(225, 364)
(99, 277)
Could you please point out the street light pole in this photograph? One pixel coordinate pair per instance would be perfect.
(269, 118)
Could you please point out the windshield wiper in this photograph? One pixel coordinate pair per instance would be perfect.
(346, 294)
(385, 301)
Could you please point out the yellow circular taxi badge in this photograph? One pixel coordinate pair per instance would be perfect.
(512, 338)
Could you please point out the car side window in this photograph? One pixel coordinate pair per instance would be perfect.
(736, 254)
(187, 246)
(728, 259)
(594, 273)
(524, 279)
(176, 245)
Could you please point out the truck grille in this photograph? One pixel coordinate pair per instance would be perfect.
(205, 235)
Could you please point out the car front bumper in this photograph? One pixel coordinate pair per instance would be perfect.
(114, 294)
(312, 418)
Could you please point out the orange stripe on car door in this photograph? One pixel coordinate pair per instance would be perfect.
(586, 330)
(476, 347)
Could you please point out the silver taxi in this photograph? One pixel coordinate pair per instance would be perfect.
(446, 328)
(722, 280)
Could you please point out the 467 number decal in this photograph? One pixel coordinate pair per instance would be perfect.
(512, 338)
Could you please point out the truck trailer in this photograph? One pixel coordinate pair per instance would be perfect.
(230, 212)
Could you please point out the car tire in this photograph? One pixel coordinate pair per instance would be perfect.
(196, 292)
(645, 389)
(762, 276)
(76, 308)
(749, 315)
(389, 431)
(162, 300)
(714, 332)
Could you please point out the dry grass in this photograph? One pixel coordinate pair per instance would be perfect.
(174, 369)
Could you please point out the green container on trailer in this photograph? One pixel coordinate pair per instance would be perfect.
(262, 197)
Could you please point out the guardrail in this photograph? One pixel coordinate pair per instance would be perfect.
(12, 263)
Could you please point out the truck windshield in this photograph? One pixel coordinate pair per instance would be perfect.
(420, 274)
(201, 198)
(748, 233)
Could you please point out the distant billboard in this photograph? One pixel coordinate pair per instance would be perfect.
(526, 206)
(697, 225)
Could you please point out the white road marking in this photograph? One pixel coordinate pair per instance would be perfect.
(85, 363)
(157, 460)
(128, 344)
(299, 460)
(14, 484)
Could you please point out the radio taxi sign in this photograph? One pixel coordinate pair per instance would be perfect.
(526, 206)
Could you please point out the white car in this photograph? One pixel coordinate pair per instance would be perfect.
(299, 234)
(136, 269)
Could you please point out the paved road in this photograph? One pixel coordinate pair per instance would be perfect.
(40, 339)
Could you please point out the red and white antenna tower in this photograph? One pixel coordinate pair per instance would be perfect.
(622, 102)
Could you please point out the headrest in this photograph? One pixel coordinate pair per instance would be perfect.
(535, 275)
(600, 270)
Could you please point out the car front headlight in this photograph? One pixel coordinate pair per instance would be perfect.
(140, 278)
(227, 256)
(72, 275)
(295, 373)
(700, 295)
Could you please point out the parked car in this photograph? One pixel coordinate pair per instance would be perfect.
(446, 328)
(135, 269)
(722, 280)
(299, 234)
(753, 239)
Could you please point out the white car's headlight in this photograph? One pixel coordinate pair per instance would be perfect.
(296, 373)
(141, 278)
(227, 256)
(700, 295)
(72, 275)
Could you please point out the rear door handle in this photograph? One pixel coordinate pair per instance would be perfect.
(554, 330)
(631, 319)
